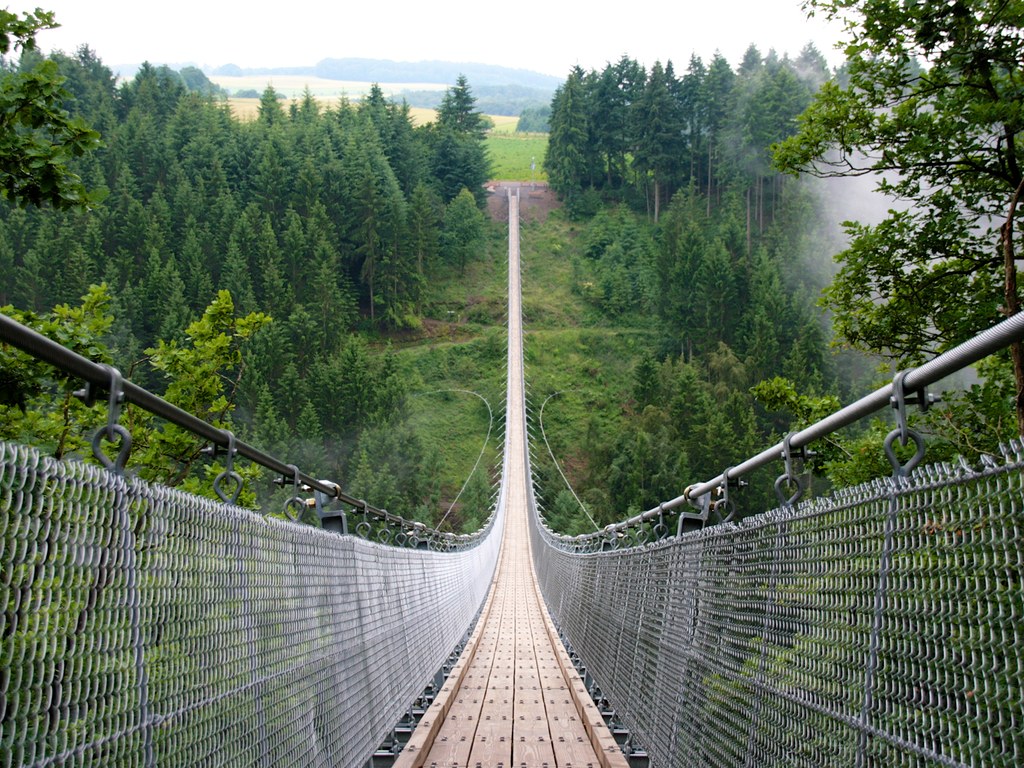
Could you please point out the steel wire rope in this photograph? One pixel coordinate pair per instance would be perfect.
(483, 448)
(967, 353)
(547, 444)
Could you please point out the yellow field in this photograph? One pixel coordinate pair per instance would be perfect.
(329, 92)
(247, 109)
(293, 86)
(504, 123)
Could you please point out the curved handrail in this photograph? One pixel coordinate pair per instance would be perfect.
(386, 527)
(650, 525)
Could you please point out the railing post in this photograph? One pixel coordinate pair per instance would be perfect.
(134, 598)
(871, 666)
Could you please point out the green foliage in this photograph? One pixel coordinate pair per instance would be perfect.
(38, 139)
(196, 81)
(459, 151)
(568, 161)
(930, 105)
(832, 454)
(621, 280)
(640, 136)
(202, 376)
(534, 120)
(458, 112)
(462, 235)
(38, 406)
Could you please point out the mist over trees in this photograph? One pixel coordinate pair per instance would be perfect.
(932, 97)
(715, 242)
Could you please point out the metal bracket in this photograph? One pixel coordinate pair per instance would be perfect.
(903, 432)
(659, 529)
(789, 478)
(725, 507)
(294, 507)
(112, 432)
(228, 473)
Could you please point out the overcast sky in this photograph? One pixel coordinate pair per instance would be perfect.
(547, 36)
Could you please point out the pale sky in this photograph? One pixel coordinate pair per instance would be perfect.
(548, 36)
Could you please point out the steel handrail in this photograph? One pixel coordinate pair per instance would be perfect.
(969, 352)
(39, 346)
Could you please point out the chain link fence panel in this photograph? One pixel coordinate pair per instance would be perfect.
(143, 626)
(881, 627)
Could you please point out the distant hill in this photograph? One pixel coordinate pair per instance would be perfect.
(386, 71)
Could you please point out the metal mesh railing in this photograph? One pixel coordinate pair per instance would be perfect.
(883, 627)
(143, 626)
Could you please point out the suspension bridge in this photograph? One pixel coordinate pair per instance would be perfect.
(143, 626)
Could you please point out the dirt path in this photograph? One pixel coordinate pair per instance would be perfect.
(536, 200)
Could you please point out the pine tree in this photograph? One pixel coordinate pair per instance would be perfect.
(567, 161)
(460, 156)
(458, 112)
(270, 111)
(463, 230)
(424, 221)
(659, 131)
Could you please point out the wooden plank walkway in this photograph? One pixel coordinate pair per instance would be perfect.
(514, 699)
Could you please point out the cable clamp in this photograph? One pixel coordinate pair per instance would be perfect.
(112, 432)
(899, 400)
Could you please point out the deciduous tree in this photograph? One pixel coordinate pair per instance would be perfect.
(38, 138)
(932, 107)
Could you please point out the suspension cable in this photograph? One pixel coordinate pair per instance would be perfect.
(483, 448)
(540, 419)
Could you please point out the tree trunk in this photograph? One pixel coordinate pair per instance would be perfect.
(760, 205)
(709, 176)
(1011, 302)
(748, 222)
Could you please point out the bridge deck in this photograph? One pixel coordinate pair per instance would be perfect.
(514, 699)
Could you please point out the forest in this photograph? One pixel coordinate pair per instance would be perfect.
(721, 235)
(312, 277)
(260, 260)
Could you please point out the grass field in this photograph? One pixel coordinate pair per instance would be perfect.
(569, 349)
(512, 155)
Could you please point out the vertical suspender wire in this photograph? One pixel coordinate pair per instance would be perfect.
(135, 610)
(898, 481)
